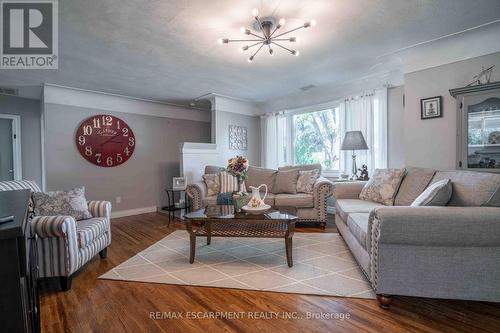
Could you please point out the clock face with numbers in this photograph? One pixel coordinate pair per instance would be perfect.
(105, 140)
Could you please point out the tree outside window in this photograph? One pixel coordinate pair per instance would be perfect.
(317, 138)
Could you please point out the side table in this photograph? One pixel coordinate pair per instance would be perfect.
(170, 208)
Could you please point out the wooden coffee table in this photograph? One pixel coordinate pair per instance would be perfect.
(222, 221)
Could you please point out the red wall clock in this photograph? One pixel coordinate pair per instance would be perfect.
(105, 140)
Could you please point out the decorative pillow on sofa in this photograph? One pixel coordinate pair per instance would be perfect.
(437, 194)
(72, 203)
(306, 180)
(213, 184)
(229, 183)
(383, 186)
(286, 181)
(258, 176)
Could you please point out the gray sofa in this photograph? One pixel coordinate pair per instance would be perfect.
(448, 252)
(311, 207)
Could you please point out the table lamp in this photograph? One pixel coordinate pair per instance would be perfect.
(354, 140)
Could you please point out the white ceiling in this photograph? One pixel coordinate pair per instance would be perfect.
(167, 50)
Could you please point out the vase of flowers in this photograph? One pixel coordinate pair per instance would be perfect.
(238, 167)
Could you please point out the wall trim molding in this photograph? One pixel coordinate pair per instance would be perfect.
(135, 211)
(55, 94)
(233, 105)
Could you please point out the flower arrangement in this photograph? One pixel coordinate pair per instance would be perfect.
(238, 167)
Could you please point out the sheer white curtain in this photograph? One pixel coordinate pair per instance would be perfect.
(366, 113)
(273, 128)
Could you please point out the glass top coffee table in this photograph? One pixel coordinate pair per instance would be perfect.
(223, 221)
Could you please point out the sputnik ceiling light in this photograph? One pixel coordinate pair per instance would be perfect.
(268, 28)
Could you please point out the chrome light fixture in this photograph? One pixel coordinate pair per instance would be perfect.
(267, 35)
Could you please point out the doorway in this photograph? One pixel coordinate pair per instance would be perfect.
(10, 147)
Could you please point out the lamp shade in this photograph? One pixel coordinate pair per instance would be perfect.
(354, 140)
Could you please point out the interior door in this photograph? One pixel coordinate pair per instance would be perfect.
(6, 150)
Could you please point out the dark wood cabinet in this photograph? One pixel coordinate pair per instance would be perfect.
(19, 301)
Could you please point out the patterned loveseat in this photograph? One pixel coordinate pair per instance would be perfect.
(311, 207)
(439, 252)
(65, 245)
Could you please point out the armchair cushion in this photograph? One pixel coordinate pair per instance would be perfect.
(88, 231)
(72, 203)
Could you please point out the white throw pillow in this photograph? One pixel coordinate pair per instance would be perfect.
(437, 194)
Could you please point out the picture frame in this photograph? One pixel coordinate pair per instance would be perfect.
(238, 139)
(431, 107)
(178, 183)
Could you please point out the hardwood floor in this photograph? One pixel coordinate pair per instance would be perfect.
(95, 305)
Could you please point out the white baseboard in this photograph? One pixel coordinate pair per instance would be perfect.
(135, 211)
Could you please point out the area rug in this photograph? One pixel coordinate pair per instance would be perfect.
(322, 265)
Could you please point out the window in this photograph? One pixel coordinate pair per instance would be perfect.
(316, 138)
(314, 134)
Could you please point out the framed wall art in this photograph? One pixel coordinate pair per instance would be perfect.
(238, 137)
(431, 108)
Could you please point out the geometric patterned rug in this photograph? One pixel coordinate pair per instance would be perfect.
(322, 265)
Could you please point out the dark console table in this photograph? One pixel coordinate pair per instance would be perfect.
(19, 302)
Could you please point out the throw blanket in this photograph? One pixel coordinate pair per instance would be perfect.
(225, 198)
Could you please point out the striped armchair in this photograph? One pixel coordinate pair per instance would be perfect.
(65, 245)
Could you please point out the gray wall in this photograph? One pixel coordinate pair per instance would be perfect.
(252, 123)
(395, 129)
(29, 110)
(141, 180)
(432, 143)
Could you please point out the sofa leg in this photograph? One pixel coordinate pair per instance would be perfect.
(322, 225)
(65, 282)
(384, 301)
(103, 253)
